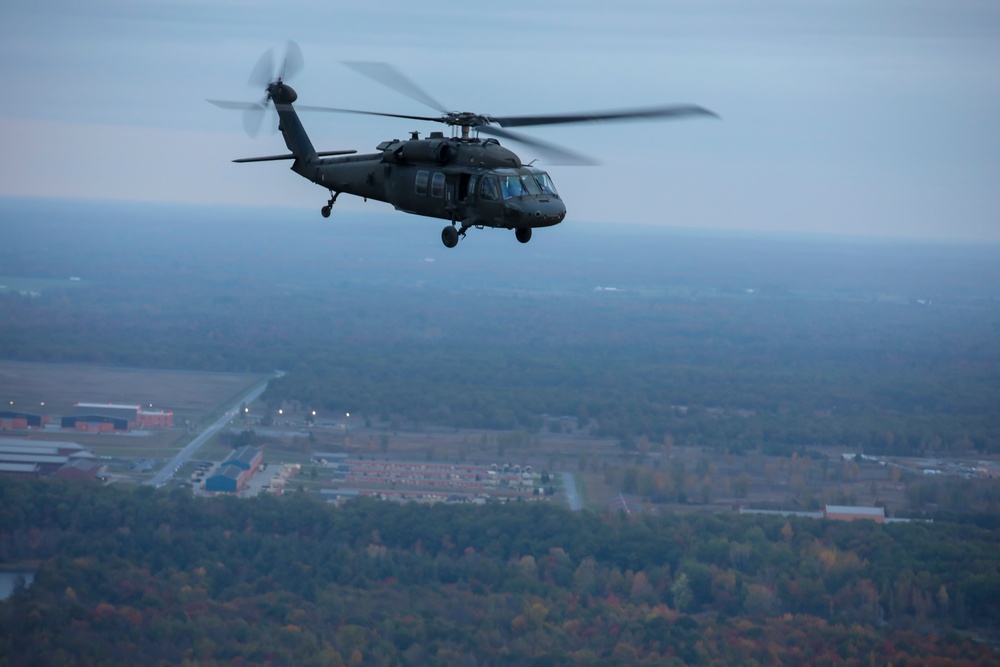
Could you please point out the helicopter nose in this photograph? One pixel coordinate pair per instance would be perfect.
(545, 212)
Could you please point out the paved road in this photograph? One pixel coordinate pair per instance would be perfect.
(182, 457)
(572, 497)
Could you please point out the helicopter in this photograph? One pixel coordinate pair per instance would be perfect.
(471, 182)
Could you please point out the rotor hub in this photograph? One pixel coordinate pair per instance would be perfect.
(281, 93)
(466, 119)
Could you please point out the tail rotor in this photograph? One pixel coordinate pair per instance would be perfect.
(269, 77)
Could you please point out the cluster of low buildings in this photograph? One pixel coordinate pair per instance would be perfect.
(926, 466)
(46, 458)
(834, 513)
(19, 421)
(114, 417)
(426, 482)
(426, 497)
(280, 478)
(236, 471)
(453, 477)
(92, 417)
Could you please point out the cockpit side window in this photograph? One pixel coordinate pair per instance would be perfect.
(488, 188)
(511, 186)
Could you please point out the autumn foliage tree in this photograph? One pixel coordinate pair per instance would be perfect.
(161, 578)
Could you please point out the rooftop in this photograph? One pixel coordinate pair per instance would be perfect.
(244, 456)
(18, 467)
(25, 442)
(230, 471)
(21, 449)
(34, 458)
(116, 406)
(851, 509)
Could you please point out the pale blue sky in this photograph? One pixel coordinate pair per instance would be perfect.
(843, 116)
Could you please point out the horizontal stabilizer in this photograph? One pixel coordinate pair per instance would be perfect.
(272, 158)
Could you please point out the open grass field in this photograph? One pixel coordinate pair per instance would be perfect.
(53, 389)
(195, 398)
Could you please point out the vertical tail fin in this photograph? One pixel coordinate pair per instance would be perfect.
(282, 95)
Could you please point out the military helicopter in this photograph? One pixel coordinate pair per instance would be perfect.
(467, 180)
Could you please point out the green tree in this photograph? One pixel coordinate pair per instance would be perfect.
(681, 593)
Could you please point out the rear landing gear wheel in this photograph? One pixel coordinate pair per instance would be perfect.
(329, 205)
(523, 234)
(449, 237)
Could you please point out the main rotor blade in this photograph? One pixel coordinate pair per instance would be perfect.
(651, 113)
(553, 153)
(306, 107)
(389, 76)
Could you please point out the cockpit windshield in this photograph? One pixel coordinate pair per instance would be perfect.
(525, 181)
(544, 182)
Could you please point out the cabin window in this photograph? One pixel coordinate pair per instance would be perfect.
(421, 183)
(437, 185)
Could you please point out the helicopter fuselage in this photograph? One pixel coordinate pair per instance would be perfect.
(467, 181)
(471, 182)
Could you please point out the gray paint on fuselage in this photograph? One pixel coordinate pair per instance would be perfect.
(361, 175)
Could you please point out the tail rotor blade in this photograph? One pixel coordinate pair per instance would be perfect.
(261, 78)
(235, 106)
(293, 62)
(253, 118)
(263, 72)
(271, 118)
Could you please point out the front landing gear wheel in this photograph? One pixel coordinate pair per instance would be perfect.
(523, 234)
(325, 211)
(449, 237)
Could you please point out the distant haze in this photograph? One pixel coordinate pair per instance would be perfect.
(806, 339)
(858, 117)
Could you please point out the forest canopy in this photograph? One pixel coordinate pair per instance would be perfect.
(151, 577)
